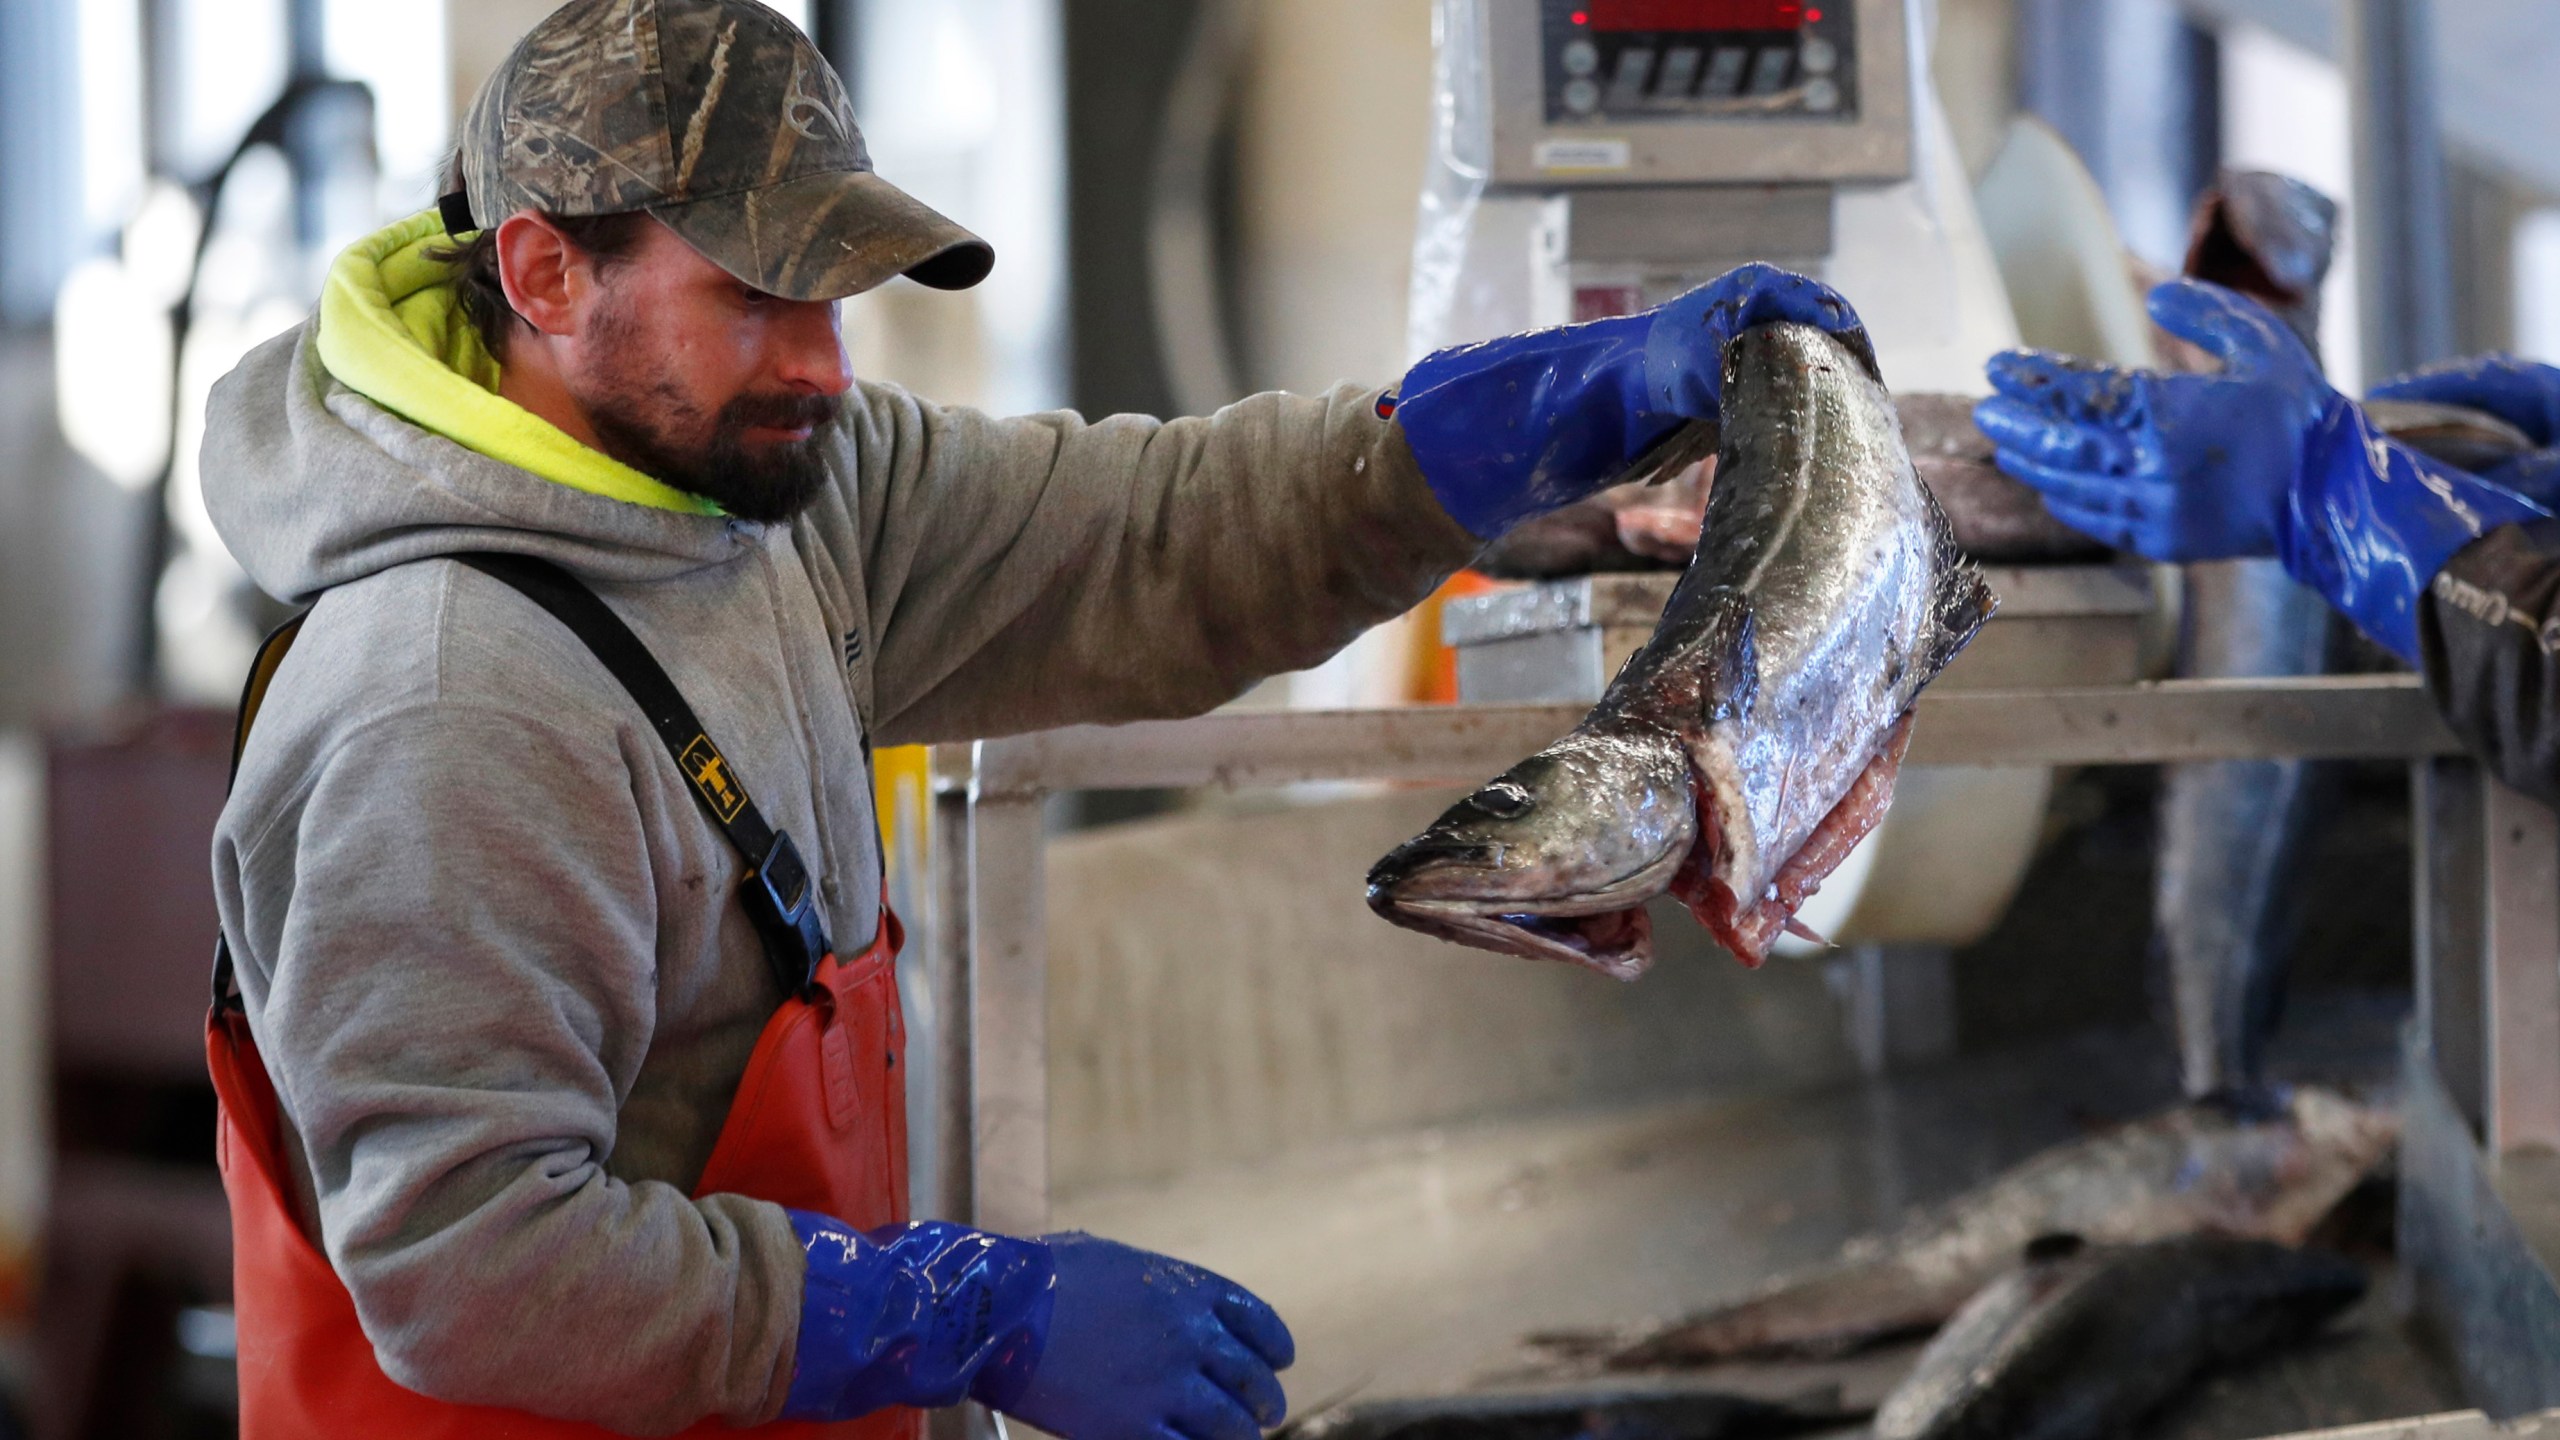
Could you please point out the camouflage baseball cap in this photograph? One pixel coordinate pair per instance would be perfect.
(722, 120)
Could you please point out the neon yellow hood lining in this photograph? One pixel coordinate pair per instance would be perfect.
(393, 331)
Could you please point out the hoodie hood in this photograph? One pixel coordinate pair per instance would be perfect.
(373, 435)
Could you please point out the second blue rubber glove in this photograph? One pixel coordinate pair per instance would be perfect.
(1085, 1338)
(2262, 459)
(1529, 423)
(2523, 393)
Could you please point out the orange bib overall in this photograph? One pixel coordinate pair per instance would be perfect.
(819, 1124)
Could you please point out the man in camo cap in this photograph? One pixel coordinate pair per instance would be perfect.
(559, 1098)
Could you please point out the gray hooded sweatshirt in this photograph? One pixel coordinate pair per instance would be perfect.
(489, 943)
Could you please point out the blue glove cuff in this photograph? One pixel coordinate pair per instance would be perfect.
(1525, 424)
(1529, 423)
(926, 1314)
(2372, 521)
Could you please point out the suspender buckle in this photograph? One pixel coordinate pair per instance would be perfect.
(783, 903)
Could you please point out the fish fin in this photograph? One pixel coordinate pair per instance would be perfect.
(1732, 646)
(2061, 1245)
(1805, 932)
(1963, 599)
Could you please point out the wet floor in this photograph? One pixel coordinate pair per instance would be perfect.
(1414, 1265)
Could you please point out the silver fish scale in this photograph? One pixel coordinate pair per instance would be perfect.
(1818, 519)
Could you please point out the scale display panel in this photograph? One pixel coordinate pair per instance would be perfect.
(1616, 61)
(1697, 92)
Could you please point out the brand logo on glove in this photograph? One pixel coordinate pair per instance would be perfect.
(708, 769)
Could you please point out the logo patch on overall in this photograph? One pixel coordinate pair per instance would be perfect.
(708, 769)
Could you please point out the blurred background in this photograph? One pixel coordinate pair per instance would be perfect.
(1192, 200)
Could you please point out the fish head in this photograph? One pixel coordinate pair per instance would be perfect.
(1555, 858)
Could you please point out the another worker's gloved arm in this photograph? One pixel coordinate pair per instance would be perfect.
(2523, 393)
(1525, 424)
(1085, 1338)
(2262, 459)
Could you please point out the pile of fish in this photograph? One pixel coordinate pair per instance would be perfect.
(2070, 1298)
(2196, 1169)
(1572, 1415)
(2084, 1340)
(1753, 741)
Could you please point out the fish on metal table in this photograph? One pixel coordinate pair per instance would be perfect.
(1568, 1415)
(1741, 753)
(2190, 1170)
(2084, 1340)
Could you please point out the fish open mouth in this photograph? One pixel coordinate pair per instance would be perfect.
(1748, 930)
(1605, 930)
(1617, 943)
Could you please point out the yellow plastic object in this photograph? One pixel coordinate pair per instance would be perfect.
(902, 794)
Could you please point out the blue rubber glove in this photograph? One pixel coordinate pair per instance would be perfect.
(926, 1314)
(1525, 424)
(1144, 1347)
(2262, 459)
(1085, 1338)
(2521, 392)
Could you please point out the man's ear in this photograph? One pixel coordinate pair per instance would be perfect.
(542, 273)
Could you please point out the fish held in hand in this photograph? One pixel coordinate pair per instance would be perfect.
(1749, 745)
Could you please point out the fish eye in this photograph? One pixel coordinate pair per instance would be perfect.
(1503, 800)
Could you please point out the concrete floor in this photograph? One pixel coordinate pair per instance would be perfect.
(1414, 1265)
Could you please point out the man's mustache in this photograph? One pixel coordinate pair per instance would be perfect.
(779, 412)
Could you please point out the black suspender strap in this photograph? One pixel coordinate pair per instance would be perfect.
(778, 894)
(262, 673)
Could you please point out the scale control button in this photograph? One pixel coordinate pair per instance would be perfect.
(1581, 57)
(1626, 87)
(1769, 70)
(1820, 56)
(1724, 73)
(1581, 95)
(1679, 74)
(1821, 93)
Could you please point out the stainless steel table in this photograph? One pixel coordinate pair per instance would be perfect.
(2484, 1067)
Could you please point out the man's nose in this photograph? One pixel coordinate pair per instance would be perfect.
(812, 349)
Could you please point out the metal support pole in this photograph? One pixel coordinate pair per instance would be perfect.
(1009, 1023)
(951, 932)
(2523, 974)
(2449, 870)
(947, 932)
(2403, 236)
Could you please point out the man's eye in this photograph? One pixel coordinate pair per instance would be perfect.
(751, 297)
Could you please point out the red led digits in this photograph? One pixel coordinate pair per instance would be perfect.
(1693, 15)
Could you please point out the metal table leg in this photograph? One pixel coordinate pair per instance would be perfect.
(2522, 845)
(1009, 1040)
(2452, 896)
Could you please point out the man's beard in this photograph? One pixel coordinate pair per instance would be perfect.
(637, 416)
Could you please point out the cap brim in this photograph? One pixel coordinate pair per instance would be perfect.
(823, 237)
